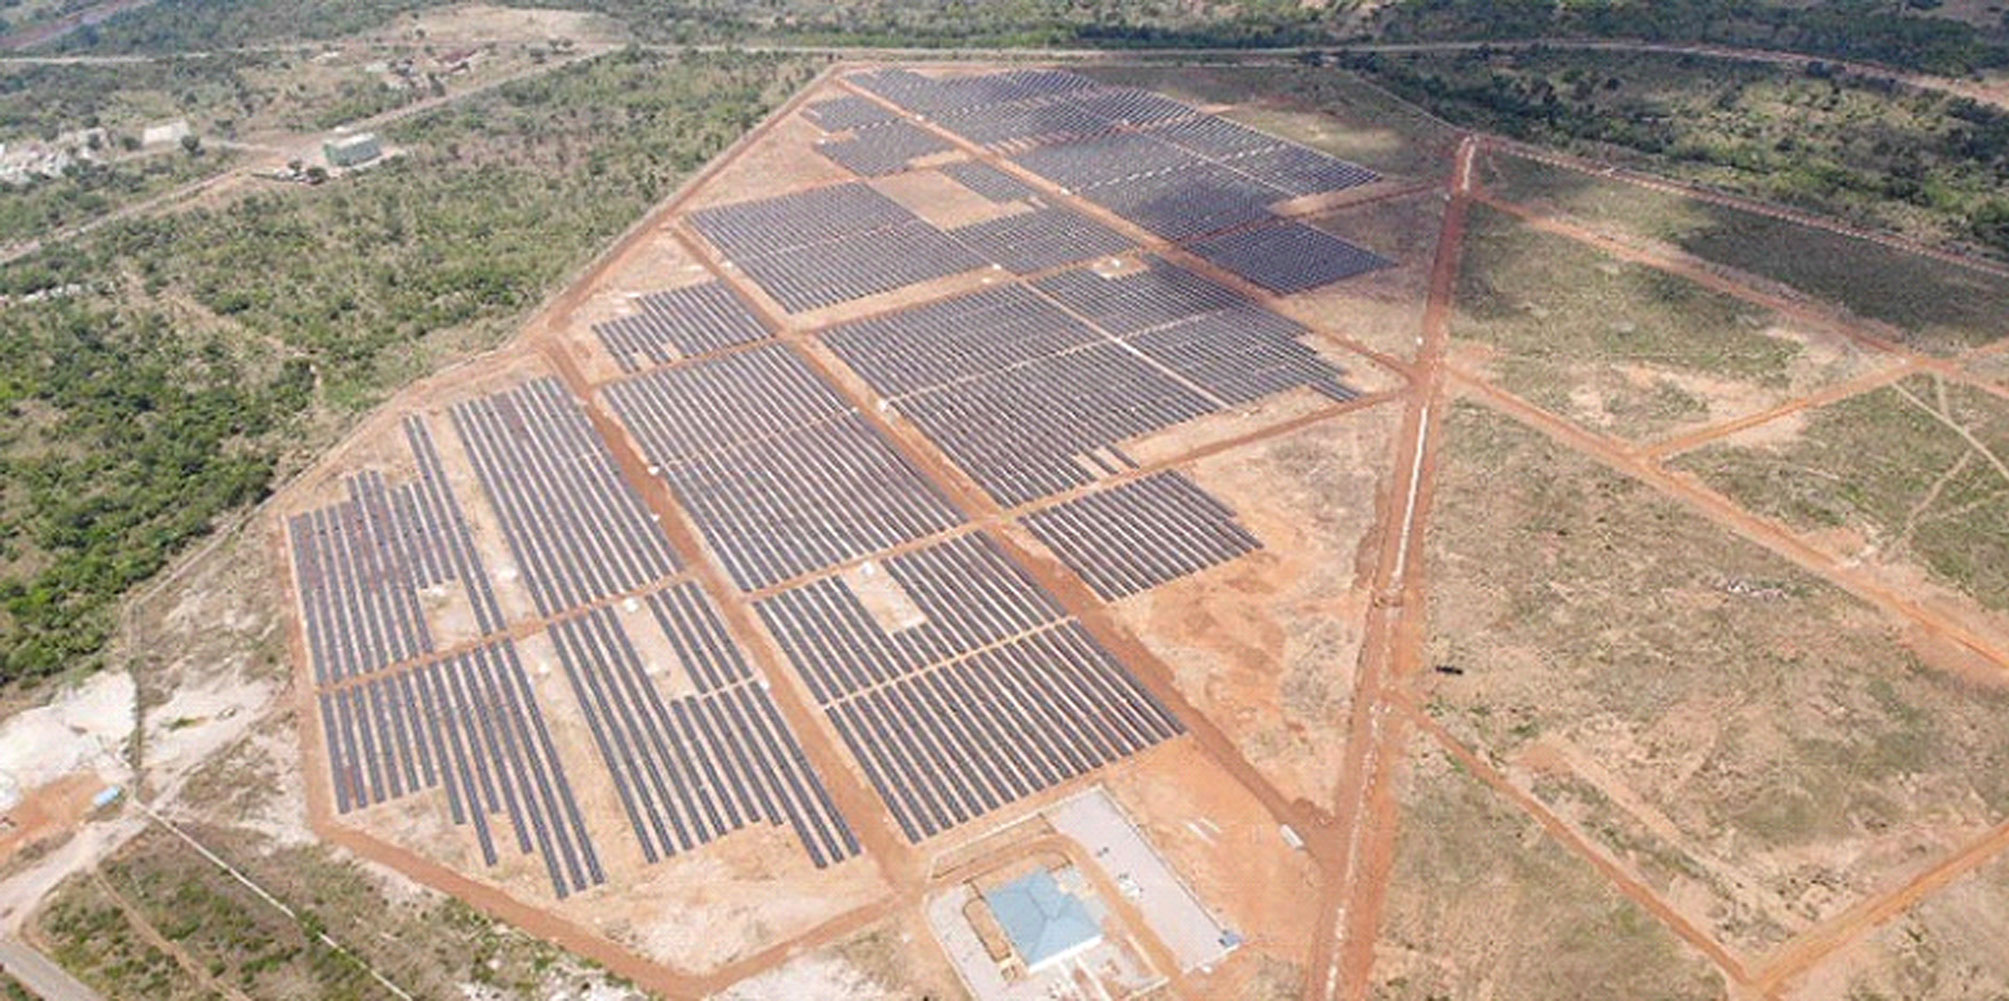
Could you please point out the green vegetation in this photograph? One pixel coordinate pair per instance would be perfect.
(1901, 33)
(204, 352)
(240, 940)
(1867, 150)
(204, 25)
(1917, 469)
(1933, 305)
(87, 191)
(41, 100)
(1468, 863)
(11, 990)
(1568, 323)
(209, 24)
(90, 937)
(433, 947)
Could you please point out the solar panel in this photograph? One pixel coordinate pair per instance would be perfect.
(1288, 257)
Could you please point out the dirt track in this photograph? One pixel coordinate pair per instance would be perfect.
(1343, 958)
(1349, 916)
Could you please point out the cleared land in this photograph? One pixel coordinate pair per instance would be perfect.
(1942, 950)
(1910, 477)
(1929, 304)
(1623, 347)
(1469, 865)
(1756, 745)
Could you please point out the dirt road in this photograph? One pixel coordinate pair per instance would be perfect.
(41, 975)
(1349, 915)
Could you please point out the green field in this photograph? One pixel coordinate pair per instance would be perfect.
(1934, 305)
(1617, 346)
(1916, 470)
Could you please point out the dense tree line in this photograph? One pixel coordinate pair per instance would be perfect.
(1901, 33)
(1864, 148)
(1897, 33)
(39, 100)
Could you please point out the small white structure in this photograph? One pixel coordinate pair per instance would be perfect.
(165, 133)
(352, 151)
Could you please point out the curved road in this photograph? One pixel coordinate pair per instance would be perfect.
(1997, 94)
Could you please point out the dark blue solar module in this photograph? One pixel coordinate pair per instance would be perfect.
(1287, 257)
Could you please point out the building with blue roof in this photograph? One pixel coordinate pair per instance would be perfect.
(1046, 924)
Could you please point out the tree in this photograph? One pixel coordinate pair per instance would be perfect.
(191, 144)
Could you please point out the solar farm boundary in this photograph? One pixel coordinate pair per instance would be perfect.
(1367, 812)
(539, 921)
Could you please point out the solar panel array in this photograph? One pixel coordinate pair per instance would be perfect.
(860, 265)
(955, 680)
(842, 114)
(1180, 204)
(988, 181)
(1024, 124)
(1162, 164)
(771, 225)
(1242, 355)
(1287, 257)
(693, 769)
(577, 531)
(882, 149)
(991, 696)
(829, 245)
(934, 95)
(966, 595)
(678, 323)
(1053, 423)
(952, 340)
(1298, 171)
(782, 477)
(1136, 536)
(1153, 296)
(1017, 109)
(361, 563)
(470, 723)
(1041, 239)
(400, 718)
(1213, 137)
(1029, 400)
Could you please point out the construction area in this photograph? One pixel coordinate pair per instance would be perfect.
(1018, 506)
